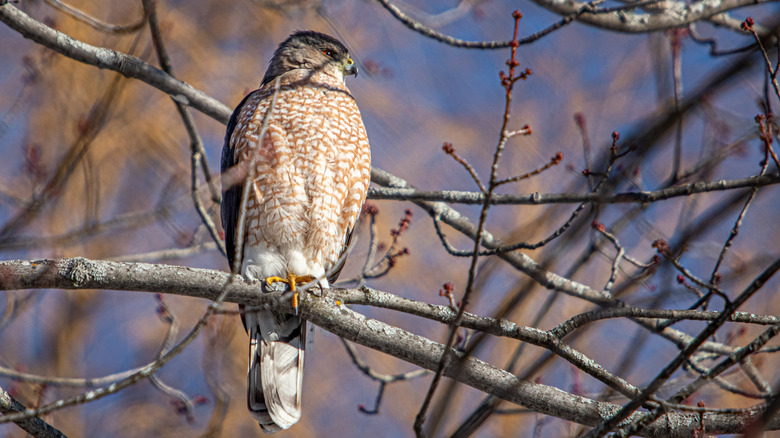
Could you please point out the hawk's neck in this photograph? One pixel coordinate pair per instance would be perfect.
(301, 76)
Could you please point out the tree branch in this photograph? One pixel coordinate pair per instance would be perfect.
(34, 426)
(472, 198)
(666, 15)
(626, 19)
(80, 273)
(127, 65)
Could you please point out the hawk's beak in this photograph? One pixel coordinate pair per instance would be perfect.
(350, 68)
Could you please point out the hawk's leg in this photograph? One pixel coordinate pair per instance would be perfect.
(291, 280)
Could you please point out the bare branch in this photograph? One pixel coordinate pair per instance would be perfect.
(34, 426)
(81, 273)
(127, 65)
(197, 152)
(659, 16)
(424, 30)
(651, 388)
(480, 375)
(383, 379)
(96, 22)
(664, 15)
(461, 197)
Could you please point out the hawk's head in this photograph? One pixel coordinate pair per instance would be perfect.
(311, 50)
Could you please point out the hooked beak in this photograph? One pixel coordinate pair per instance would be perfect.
(350, 68)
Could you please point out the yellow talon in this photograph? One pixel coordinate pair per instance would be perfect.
(275, 279)
(292, 280)
(303, 278)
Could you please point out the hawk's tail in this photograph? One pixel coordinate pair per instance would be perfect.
(275, 369)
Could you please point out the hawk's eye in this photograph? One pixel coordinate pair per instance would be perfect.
(328, 53)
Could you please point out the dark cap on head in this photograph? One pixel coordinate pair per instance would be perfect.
(309, 50)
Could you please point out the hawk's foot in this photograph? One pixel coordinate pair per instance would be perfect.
(291, 280)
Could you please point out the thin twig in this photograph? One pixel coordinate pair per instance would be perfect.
(748, 25)
(127, 65)
(94, 22)
(383, 379)
(715, 371)
(618, 257)
(389, 259)
(430, 33)
(124, 383)
(95, 121)
(676, 43)
(554, 161)
(611, 423)
(197, 152)
(450, 150)
(183, 402)
(507, 83)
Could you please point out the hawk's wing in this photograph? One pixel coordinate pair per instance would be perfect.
(231, 195)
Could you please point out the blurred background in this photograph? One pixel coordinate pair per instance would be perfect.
(97, 165)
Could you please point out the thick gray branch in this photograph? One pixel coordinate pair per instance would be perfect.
(80, 273)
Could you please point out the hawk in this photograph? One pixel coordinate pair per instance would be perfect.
(296, 161)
